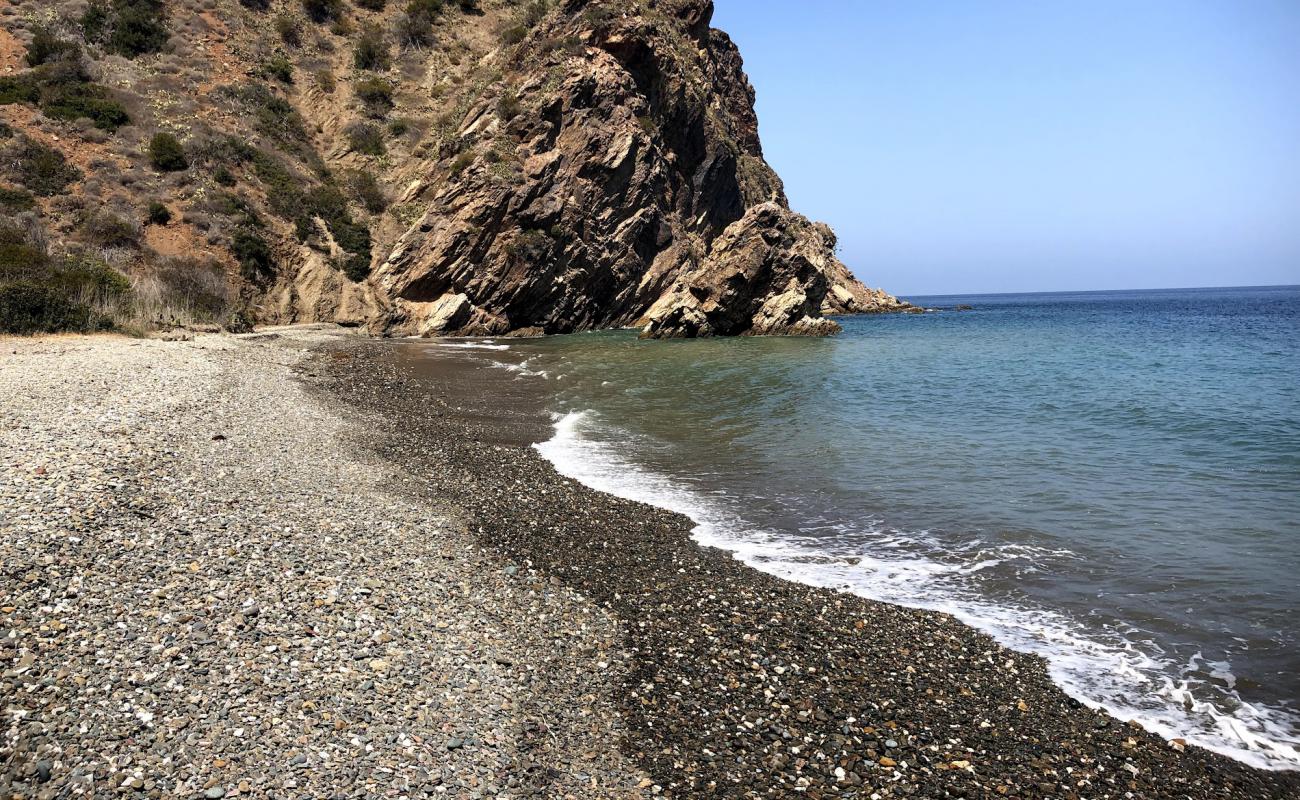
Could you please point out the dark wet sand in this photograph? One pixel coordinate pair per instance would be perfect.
(742, 684)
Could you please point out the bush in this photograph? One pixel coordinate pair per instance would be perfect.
(19, 89)
(42, 170)
(223, 177)
(62, 90)
(95, 20)
(66, 92)
(16, 200)
(254, 256)
(166, 153)
(137, 27)
(365, 189)
(276, 118)
(28, 308)
(356, 269)
(192, 288)
(106, 229)
(415, 27)
(325, 81)
(322, 10)
(514, 34)
(38, 294)
(371, 50)
(366, 138)
(375, 93)
(461, 162)
(287, 28)
(256, 5)
(158, 214)
(371, 5)
(46, 47)
(508, 106)
(413, 31)
(279, 68)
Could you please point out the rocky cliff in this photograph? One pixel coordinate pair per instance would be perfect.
(422, 167)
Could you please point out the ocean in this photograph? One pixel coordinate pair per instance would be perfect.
(1108, 479)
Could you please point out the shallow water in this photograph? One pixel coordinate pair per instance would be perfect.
(1109, 479)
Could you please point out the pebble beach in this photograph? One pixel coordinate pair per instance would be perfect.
(280, 565)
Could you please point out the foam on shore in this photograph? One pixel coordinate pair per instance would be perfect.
(1118, 671)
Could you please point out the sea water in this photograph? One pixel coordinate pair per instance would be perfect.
(1108, 479)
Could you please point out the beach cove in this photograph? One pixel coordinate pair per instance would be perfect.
(428, 608)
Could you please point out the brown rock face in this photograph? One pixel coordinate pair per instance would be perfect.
(487, 167)
(634, 192)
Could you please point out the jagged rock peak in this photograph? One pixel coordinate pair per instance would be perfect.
(642, 196)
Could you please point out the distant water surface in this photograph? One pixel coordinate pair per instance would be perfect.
(1110, 479)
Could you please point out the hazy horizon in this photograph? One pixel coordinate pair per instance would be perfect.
(1019, 147)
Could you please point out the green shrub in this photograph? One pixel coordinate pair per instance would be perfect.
(136, 27)
(508, 106)
(28, 308)
(39, 294)
(166, 153)
(16, 199)
(279, 68)
(366, 190)
(356, 269)
(106, 229)
(413, 31)
(42, 170)
(366, 138)
(95, 20)
(20, 88)
(46, 46)
(6, 132)
(66, 92)
(325, 81)
(223, 177)
(256, 5)
(322, 10)
(534, 13)
(287, 27)
(375, 93)
(158, 214)
(256, 262)
(514, 34)
(371, 5)
(371, 51)
(461, 162)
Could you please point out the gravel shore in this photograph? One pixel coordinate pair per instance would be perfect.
(741, 684)
(284, 565)
(207, 593)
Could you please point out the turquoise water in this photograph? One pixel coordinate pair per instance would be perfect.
(1109, 479)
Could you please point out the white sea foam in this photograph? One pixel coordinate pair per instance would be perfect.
(522, 369)
(1117, 671)
(484, 345)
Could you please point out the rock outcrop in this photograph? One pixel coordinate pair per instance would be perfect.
(425, 168)
(641, 197)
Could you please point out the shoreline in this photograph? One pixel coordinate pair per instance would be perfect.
(748, 685)
(281, 565)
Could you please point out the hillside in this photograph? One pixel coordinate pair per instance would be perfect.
(411, 166)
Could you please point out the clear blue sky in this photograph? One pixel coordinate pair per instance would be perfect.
(1036, 146)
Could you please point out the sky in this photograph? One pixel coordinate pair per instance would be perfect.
(1003, 146)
